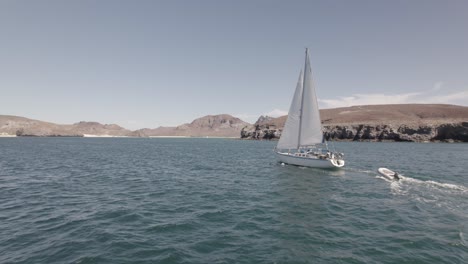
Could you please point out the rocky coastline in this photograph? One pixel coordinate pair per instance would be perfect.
(451, 132)
(400, 123)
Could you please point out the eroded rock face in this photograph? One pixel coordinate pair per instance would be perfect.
(457, 132)
(264, 128)
(379, 133)
(257, 132)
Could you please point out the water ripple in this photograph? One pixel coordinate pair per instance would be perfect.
(226, 201)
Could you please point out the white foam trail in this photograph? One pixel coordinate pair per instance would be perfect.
(359, 170)
(449, 186)
(434, 183)
(427, 183)
(396, 187)
(383, 178)
(462, 238)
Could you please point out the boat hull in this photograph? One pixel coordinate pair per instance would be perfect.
(309, 162)
(389, 174)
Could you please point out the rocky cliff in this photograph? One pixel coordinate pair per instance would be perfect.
(446, 132)
(409, 122)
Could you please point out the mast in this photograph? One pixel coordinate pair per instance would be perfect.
(302, 99)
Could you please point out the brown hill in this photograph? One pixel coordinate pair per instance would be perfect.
(208, 126)
(21, 126)
(384, 114)
(396, 113)
(95, 128)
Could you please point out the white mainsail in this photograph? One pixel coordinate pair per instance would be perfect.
(303, 126)
(290, 136)
(311, 126)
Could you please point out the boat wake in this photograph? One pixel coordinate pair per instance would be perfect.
(442, 195)
(462, 239)
(360, 170)
(383, 178)
(429, 184)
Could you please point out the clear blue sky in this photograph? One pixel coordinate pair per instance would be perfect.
(151, 63)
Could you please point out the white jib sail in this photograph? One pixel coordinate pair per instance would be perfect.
(310, 126)
(290, 135)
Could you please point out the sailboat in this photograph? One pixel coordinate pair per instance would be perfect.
(302, 142)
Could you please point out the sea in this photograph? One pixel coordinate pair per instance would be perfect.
(195, 200)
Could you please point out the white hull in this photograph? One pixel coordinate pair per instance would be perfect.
(309, 161)
(389, 174)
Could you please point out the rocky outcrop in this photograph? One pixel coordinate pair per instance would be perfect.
(419, 133)
(412, 123)
(266, 127)
(456, 132)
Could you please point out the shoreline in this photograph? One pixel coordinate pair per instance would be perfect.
(7, 136)
(102, 136)
(450, 141)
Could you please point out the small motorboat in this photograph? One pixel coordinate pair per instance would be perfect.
(389, 174)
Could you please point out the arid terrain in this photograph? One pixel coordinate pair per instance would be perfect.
(208, 126)
(404, 122)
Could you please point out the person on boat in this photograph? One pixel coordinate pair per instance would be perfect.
(396, 176)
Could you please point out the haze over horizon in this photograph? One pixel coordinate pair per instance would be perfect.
(149, 64)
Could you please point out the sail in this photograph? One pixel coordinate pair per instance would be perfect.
(290, 136)
(310, 126)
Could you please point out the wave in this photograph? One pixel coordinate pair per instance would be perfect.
(431, 183)
(449, 186)
(462, 239)
(383, 178)
(360, 170)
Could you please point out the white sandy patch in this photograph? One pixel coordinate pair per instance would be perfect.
(101, 136)
(168, 137)
(6, 135)
(189, 137)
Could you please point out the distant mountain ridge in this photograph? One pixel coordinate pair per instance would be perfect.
(21, 126)
(208, 126)
(405, 122)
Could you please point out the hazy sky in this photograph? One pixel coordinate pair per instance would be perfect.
(151, 63)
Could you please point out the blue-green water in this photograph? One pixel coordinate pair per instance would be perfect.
(81, 200)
